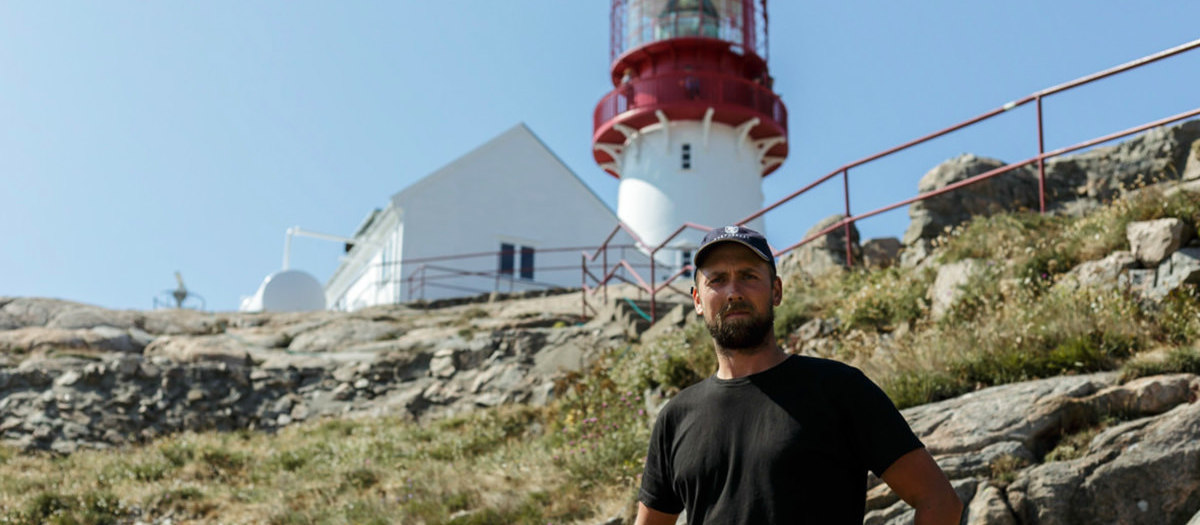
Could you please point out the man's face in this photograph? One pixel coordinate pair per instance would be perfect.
(736, 295)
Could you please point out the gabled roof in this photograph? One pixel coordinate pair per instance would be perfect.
(517, 132)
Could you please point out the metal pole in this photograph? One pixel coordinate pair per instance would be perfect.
(653, 265)
(846, 192)
(583, 287)
(1041, 160)
(604, 285)
(287, 248)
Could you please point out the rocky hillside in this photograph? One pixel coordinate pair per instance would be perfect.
(1048, 362)
(76, 375)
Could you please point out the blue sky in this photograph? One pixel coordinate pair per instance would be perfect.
(141, 138)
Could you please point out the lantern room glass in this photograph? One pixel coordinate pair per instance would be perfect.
(640, 22)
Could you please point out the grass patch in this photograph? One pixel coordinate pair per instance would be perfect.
(1169, 361)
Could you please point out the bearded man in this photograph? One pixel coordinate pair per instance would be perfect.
(773, 438)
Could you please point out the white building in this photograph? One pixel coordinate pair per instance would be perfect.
(511, 202)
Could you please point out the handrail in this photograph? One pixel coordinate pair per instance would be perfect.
(849, 219)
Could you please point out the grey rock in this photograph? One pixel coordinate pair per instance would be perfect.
(1098, 275)
(343, 392)
(1183, 267)
(900, 513)
(979, 463)
(1138, 282)
(988, 507)
(1191, 169)
(1011, 191)
(947, 288)
(1156, 155)
(823, 254)
(1153, 241)
(881, 253)
(1149, 473)
(917, 254)
(342, 333)
(443, 364)
(195, 349)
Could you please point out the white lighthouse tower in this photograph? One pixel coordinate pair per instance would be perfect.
(691, 125)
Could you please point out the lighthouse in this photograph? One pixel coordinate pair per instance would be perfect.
(691, 125)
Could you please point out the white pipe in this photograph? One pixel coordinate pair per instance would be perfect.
(296, 230)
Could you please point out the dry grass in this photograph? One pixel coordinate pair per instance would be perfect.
(577, 460)
(496, 466)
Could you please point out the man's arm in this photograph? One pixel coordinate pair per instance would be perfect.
(918, 480)
(649, 516)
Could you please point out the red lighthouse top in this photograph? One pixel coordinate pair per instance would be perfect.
(690, 60)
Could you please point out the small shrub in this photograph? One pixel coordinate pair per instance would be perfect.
(288, 460)
(149, 470)
(1174, 361)
(1005, 468)
(882, 299)
(177, 451)
(1179, 315)
(223, 463)
(360, 478)
(923, 386)
(186, 499)
(1072, 446)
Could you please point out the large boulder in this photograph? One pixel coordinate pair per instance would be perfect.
(1153, 241)
(1143, 471)
(1008, 192)
(823, 254)
(200, 348)
(1101, 274)
(949, 285)
(1191, 168)
(1101, 173)
(1182, 267)
(881, 253)
(343, 333)
(1011, 428)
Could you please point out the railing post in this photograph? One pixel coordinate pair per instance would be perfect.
(653, 289)
(604, 285)
(1041, 160)
(846, 192)
(583, 287)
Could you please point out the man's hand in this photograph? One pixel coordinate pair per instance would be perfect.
(918, 480)
(649, 516)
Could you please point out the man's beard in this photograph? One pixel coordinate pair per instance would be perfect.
(741, 334)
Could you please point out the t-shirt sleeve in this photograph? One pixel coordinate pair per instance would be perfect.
(880, 433)
(657, 491)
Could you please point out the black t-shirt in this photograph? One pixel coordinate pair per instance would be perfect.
(791, 444)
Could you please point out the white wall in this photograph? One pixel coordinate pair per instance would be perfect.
(722, 186)
(511, 189)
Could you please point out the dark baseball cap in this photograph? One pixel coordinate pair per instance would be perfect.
(739, 234)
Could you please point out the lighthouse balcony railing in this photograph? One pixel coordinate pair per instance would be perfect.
(849, 218)
(696, 89)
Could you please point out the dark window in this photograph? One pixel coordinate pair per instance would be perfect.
(506, 258)
(526, 263)
(686, 256)
(686, 157)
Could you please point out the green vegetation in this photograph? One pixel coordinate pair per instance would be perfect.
(578, 459)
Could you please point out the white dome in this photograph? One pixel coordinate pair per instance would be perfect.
(287, 291)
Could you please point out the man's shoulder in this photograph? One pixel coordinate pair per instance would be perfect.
(819, 365)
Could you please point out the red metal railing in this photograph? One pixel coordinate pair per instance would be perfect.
(844, 171)
(716, 90)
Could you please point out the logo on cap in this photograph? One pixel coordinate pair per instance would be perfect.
(731, 230)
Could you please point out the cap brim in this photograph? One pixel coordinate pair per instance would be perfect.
(708, 247)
